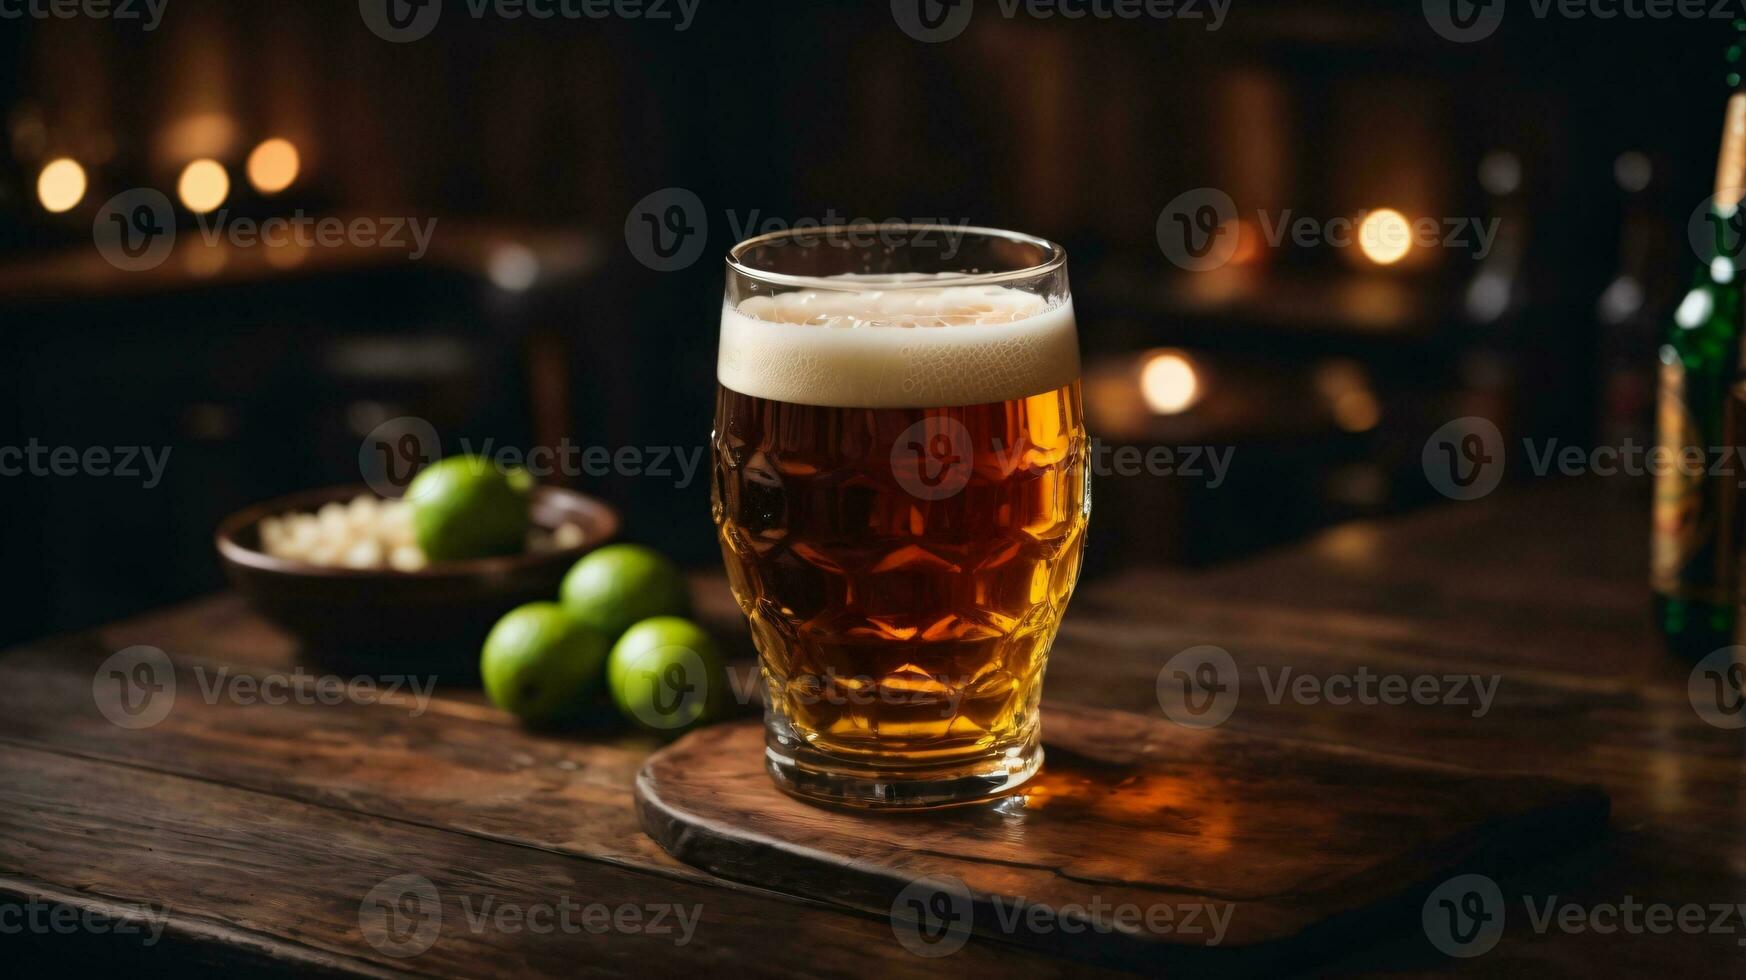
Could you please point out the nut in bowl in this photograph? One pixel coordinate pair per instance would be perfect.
(346, 588)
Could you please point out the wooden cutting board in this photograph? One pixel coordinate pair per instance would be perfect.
(1141, 843)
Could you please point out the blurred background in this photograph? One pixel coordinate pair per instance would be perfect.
(529, 319)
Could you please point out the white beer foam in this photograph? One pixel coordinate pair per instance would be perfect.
(915, 347)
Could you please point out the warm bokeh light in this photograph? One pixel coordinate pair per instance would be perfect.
(1357, 543)
(1385, 236)
(1168, 383)
(203, 134)
(273, 165)
(513, 267)
(1343, 383)
(61, 185)
(285, 255)
(1250, 242)
(204, 185)
(204, 260)
(1357, 411)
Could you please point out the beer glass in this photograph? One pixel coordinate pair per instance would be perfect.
(901, 493)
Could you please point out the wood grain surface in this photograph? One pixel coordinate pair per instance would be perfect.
(260, 829)
(1225, 850)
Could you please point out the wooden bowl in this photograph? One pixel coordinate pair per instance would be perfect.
(436, 617)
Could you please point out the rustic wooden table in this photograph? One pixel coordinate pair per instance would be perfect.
(252, 834)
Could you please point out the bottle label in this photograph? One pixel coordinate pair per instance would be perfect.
(1681, 546)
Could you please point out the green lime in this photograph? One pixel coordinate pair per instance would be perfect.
(666, 675)
(466, 507)
(541, 665)
(615, 586)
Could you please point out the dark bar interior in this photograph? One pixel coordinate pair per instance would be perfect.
(1372, 299)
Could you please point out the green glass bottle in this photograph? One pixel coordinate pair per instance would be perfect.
(1692, 561)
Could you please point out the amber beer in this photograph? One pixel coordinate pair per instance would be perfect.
(900, 495)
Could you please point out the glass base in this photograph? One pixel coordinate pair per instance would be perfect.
(808, 774)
